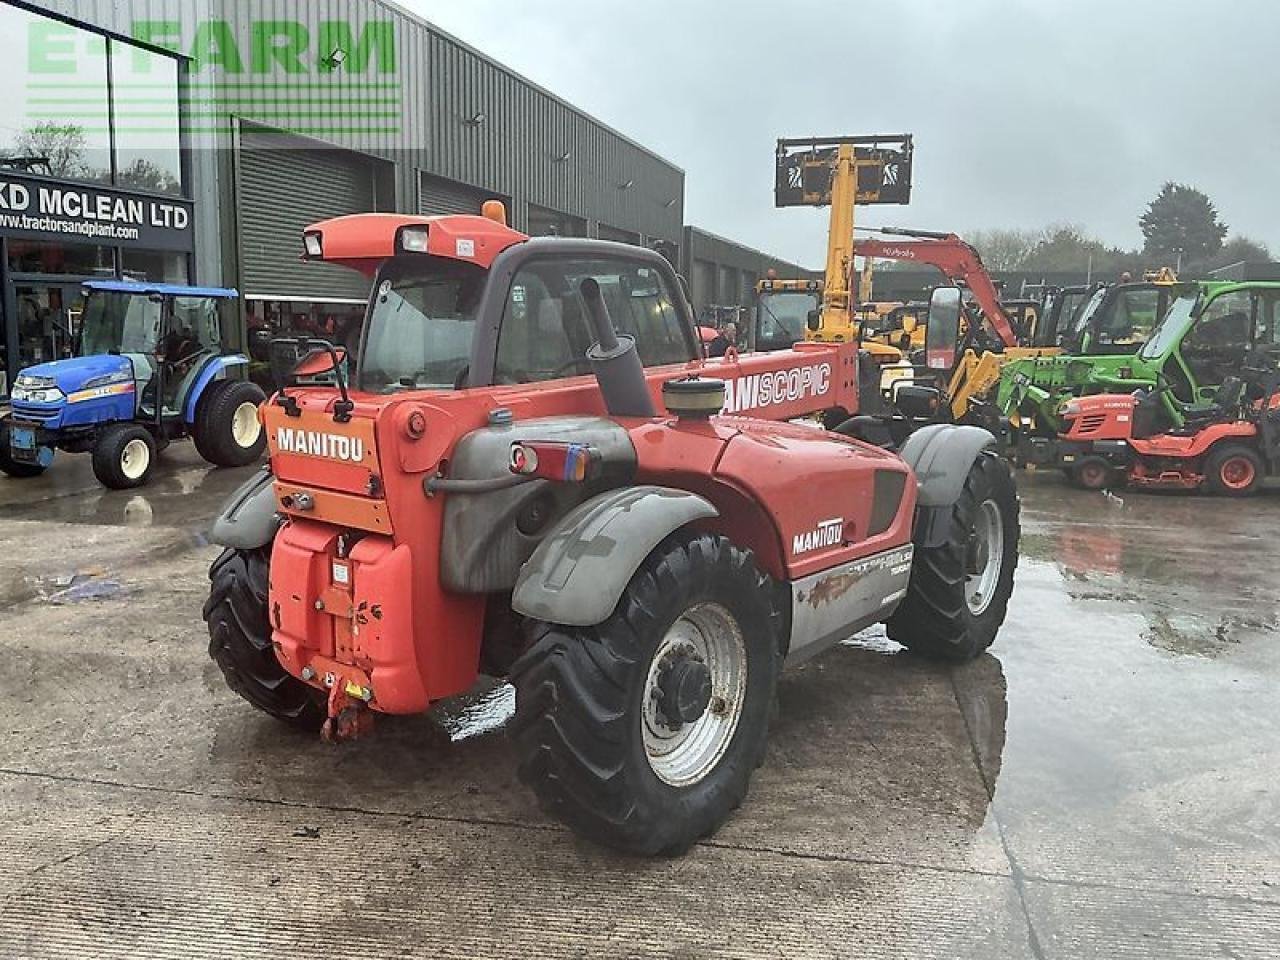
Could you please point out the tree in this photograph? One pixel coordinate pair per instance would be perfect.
(1065, 246)
(62, 144)
(145, 175)
(1003, 249)
(1181, 224)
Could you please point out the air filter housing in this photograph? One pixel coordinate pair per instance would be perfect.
(693, 398)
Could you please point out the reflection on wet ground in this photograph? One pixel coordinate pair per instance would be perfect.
(1103, 783)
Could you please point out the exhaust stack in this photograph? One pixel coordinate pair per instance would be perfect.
(617, 365)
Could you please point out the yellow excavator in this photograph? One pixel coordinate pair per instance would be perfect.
(839, 173)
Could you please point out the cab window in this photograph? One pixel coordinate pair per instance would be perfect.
(545, 332)
(1216, 346)
(1133, 315)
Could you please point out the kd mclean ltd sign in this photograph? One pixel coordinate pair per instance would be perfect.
(38, 209)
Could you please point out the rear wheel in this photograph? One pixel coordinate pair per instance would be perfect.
(1233, 471)
(959, 589)
(227, 431)
(1091, 473)
(123, 456)
(10, 466)
(240, 641)
(642, 733)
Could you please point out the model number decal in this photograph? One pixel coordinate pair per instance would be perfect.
(757, 390)
(332, 446)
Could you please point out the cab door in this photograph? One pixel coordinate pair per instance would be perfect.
(1215, 347)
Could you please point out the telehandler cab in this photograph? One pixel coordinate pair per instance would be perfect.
(534, 474)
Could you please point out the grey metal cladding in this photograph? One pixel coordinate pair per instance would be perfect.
(577, 575)
(488, 537)
(443, 83)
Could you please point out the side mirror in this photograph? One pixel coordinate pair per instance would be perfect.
(814, 320)
(319, 362)
(942, 328)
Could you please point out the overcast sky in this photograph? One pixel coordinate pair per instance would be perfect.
(1024, 113)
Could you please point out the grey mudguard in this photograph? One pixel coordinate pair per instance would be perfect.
(578, 573)
(248, 518)
(941, 455)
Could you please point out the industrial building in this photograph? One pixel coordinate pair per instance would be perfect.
(192, 140)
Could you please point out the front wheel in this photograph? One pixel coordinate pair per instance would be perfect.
(227, 431)
(123, 456)
(1091, 473)
(641, 733)
(959, 589)
(1233, 471)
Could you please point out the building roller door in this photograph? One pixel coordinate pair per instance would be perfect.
(283, 185)
(437, 196)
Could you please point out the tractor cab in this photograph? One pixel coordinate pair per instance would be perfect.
(783, 309)
(147, 359)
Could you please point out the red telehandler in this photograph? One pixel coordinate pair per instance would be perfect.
(533, 473)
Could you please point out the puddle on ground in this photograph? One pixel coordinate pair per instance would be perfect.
(476, 714)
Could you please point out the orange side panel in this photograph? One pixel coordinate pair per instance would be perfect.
(340, 509)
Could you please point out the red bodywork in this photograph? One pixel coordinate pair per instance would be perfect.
(958, 261)
(375, 621)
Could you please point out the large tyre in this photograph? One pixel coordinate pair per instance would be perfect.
(227, 432)
(124, 456)
(959, 590)
(240, 641)
(10, 466)
(641, 733)
(1233, 470)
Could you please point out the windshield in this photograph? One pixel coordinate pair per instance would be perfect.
(116, 322)
(781, 316)
(420, 326)
(1080, 318)
(1165, 336)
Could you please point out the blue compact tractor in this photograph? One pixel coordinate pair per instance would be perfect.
(151, 366)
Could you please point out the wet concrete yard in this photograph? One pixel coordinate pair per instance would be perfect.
(1102, 784)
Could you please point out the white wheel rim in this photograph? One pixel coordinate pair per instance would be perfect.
(988, 540)
(134, 459)
(245, 427)
(682, 757)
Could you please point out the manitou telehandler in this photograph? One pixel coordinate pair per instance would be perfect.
(533, 473)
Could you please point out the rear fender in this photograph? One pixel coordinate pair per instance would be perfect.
(577, 574)
(217, 368)
(941, 456)
(248, 519)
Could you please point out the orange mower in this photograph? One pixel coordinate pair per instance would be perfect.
(1227, 447)
(529, 470)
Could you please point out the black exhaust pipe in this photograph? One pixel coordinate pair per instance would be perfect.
(615, 361)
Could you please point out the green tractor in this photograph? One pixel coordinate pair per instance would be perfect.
(1206, 332)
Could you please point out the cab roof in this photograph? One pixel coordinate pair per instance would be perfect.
(364, 240)
(163, 289)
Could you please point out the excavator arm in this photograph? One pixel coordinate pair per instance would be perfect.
(958, 261)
